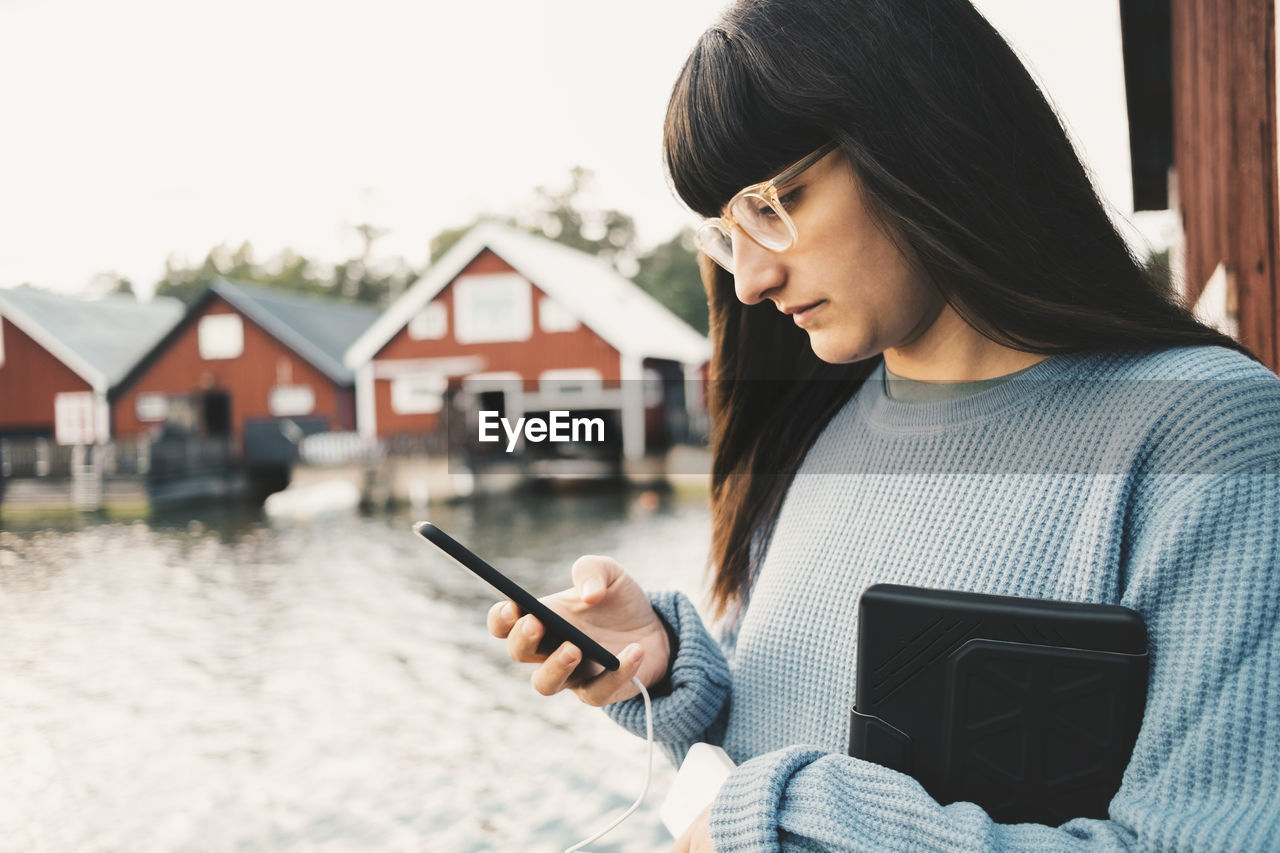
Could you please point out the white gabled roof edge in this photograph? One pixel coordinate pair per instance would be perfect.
(527, 254)
(96, 378)
(415, 298)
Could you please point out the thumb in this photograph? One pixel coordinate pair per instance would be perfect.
(592, 575)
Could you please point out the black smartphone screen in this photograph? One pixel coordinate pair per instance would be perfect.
(528, 603)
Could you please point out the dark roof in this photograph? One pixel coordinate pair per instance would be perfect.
(318, 330)
(100, 339)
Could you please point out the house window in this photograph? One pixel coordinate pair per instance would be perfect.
(221, 336)
(554, 317)
(418, 394)
(429, 324)
(492, 308)
(291, 400)
(151, 407)
(73, 417)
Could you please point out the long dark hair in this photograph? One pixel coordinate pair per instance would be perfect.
(964, 165)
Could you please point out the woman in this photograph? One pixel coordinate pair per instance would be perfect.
(1059, 427)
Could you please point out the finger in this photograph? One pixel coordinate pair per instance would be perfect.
(555, 671)
(522, 641)
(502, 617)
(592, 576)
(615, 686)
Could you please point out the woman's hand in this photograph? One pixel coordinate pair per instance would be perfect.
(697, 838)
(612, 609)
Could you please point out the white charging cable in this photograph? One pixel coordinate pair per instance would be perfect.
(648, 730)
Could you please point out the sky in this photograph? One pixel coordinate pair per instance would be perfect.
(134, 129)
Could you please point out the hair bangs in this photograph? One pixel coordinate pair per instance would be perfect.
(721, 132)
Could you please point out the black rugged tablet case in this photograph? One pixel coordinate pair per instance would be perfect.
(1027, 707)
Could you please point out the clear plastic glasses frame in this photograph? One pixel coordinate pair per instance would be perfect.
(759, 213)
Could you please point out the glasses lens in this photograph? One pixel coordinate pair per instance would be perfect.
(716, 243)
(766, 224)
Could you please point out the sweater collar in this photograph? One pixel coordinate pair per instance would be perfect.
(880, 409)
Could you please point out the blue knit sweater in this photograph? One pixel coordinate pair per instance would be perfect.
(1150, 480)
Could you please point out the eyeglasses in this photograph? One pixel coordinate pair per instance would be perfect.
(759, 213)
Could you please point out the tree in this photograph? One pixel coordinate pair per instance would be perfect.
(669, 273)
(363, 278)
(448, 238)
(557, 214)
(187, 283)
(105, 283)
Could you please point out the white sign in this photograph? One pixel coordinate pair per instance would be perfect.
(151, 407)
(291, 400)
(73, 418)
(422, 394)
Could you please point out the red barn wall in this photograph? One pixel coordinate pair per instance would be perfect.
(29, 380)
(249, 378)
(581, 348)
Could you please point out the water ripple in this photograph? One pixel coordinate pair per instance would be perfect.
(234, 684)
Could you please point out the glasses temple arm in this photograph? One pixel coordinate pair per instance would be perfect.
(804, 164)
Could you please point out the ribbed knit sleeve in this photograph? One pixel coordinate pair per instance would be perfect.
(1200, 564)
(699, 682)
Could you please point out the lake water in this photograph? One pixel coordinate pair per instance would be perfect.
(233, 683)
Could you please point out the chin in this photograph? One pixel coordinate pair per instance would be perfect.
(833, 352)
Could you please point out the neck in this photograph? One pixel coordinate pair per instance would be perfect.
(950, 350)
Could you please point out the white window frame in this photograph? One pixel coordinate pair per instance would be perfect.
(429, 324)
(476, 323)
(284, 401)
(151, 406)
(554, 317)
(418, 393)
(221, 337)
(75, 418)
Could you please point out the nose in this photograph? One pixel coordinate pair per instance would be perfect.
(757, 271)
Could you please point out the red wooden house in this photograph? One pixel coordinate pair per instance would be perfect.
(519, 324)
(244, 357)
(62, 357)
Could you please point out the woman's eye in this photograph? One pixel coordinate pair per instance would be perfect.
(791, 198)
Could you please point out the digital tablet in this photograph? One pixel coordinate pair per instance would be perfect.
(1027, 707)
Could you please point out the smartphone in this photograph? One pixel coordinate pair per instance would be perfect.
(555, 624)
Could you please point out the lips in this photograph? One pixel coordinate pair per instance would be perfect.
(805, 315)
(800, 309)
